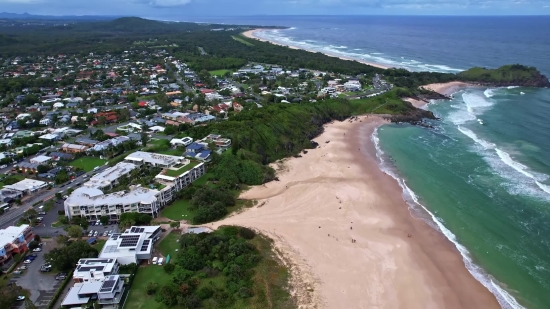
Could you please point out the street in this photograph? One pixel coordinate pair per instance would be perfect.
(12, 216)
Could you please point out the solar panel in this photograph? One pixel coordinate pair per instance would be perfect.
(145, 245)
(107, 285)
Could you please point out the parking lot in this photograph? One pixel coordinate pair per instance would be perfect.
(42, 286)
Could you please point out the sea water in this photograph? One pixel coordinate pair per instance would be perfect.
(481, 175)
(485, 186)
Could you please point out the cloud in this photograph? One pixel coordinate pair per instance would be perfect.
(168, 3)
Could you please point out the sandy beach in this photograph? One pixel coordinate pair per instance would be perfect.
(250, 34)
(447, 88)
(336, 194)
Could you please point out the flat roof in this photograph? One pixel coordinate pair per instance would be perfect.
(79, 197)
(41, 158)
(109, 175)
(26, 184)
(153, 158)
(179, 172)
(9, 234)
(72, 297)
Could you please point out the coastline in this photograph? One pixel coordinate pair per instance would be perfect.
(251, 35)
(446, 89)
(336, 193)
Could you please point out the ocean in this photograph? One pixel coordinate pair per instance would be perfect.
(482, 174)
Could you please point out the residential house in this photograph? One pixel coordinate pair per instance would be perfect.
(73, 148)
(198, 151)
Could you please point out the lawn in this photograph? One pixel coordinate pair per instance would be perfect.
(171, 152)
(219, 72)
(99, 244)
(176, 173)
(169, 244)
(138, 298)
(179, 210)
(87, 163)
(15, 178)
(245, 42)
(203, 179)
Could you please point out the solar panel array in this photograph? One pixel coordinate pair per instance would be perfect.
(107, 285)
(137, 230)
(115, 236)
(129, 241)
(145, 245)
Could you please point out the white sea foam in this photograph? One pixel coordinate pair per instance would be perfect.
(512, 87)
(474, 137)
(489, 92)
(505, 300)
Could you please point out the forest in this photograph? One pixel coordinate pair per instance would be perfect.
(229, 268)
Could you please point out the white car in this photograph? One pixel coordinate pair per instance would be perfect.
(20, 298)
(37, 250)
(22, 268)
(27, 261)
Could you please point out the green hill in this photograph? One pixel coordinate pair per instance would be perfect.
(508, 75)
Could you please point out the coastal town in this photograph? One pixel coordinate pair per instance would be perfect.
(90, 141)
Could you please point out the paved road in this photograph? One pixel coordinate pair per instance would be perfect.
(12, 216)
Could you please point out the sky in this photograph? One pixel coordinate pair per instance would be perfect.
(183, 9)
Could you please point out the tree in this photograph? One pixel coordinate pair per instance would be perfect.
(61, 177)
(65, 257)
(151, 288)
(37, 238)
(175, 224)
(104, 220)
(42, 169)
(144, 139)
(58, 195)
(61, 239)
(74, 231)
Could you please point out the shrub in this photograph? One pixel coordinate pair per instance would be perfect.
(246, 233)
(151, 288)
(169, 268)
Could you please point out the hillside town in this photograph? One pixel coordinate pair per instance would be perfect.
(89, 141)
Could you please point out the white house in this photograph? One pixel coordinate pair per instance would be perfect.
(175, 142)
(45, 121)
(58, 105)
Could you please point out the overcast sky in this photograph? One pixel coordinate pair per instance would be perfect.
(179, 9)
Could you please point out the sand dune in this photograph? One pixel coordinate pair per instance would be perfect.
(337, 193)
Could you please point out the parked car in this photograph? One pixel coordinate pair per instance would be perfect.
(22, 268)
(96, 233)
(37, 250)
(105, 234)
(17, 272)
(27, 261)
(33, 255)
(60, 276)
(42, 213)
(20, 298)
(91, 233)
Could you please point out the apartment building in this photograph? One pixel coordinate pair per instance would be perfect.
(13, 240)
(91, 202)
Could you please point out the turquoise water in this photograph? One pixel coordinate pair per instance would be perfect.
(482, 172)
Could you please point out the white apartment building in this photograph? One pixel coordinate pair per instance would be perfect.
(108, 293)
(91, 202)
(95, 269)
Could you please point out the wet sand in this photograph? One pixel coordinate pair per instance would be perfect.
(336, 194)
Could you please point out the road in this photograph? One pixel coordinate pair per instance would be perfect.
(12, 216)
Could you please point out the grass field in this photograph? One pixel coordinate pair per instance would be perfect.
(99, 245)
(179, 210)
(17, 177)
(87, 163)
(239, 39)
(169, 244)
(203, 179)
(219, 72)
(138, 298)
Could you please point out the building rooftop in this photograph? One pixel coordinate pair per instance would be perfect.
(178, 172)
(11, 233)
(95, 197)
(26, 184)
(109, 175)
(154, 158)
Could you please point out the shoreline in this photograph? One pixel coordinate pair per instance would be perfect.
(336, 193)
(446, 89)
(251, 35)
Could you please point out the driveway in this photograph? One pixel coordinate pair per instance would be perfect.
(42, 286)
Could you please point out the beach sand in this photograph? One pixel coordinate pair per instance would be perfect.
(416, 103)
(447, 88)
(250, 34)
(337, 193)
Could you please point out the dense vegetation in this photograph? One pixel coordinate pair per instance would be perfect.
(508, 75)
(223, 269)
(66, 257)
